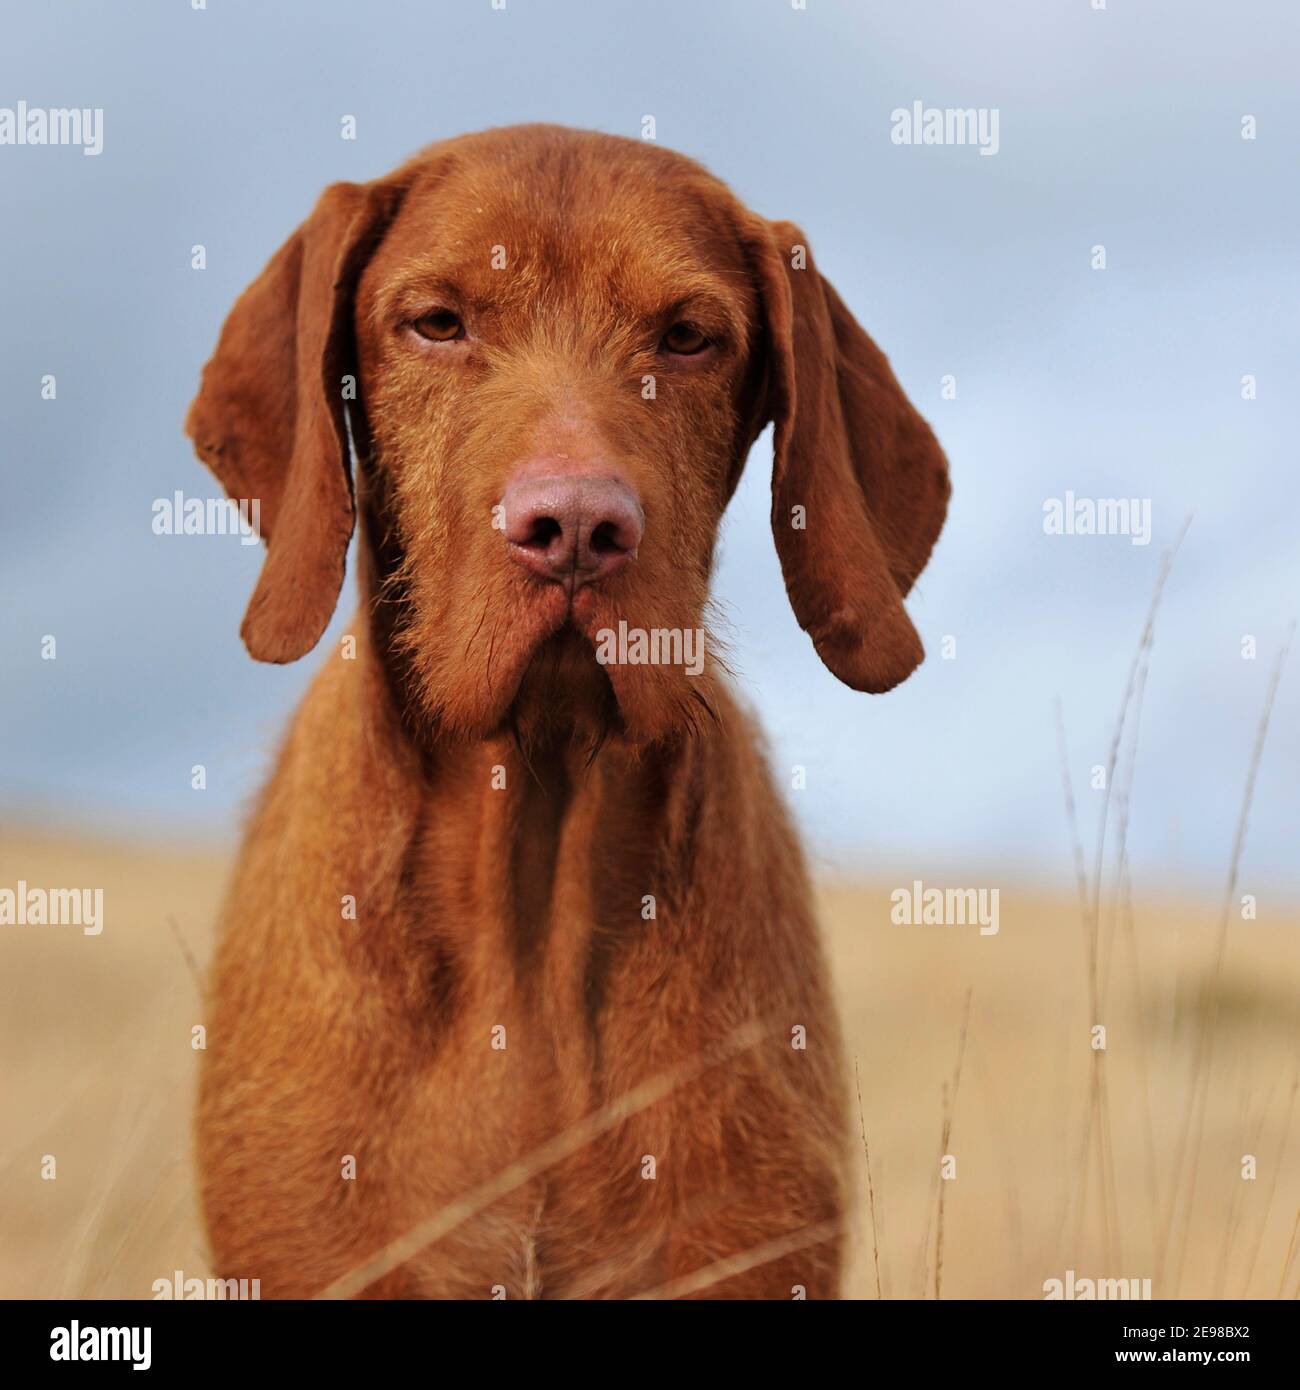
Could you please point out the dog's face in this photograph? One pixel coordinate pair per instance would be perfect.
(556, 349)
(554, 341)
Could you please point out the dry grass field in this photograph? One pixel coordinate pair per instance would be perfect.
(986, 1037)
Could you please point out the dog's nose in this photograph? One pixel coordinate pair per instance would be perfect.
(574, 530)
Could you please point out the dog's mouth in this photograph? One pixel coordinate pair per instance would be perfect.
(549, 612)
(560, 626)
(565, 689)
(583, 667)
(594, 671)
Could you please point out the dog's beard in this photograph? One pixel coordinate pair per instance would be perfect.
(529, 666)
(568, 695)
(514, 656)
(565, 695)
(661, 664)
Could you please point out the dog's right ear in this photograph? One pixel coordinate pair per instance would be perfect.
(269, 417)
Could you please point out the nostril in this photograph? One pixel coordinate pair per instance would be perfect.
(541, 532)
(605, 539)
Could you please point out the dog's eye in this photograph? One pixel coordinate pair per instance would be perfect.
(685, 339)
(441, 326)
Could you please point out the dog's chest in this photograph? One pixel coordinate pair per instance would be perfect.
(515, 1139)
(544, 947)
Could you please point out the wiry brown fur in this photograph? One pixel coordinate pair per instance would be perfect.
(499, 805)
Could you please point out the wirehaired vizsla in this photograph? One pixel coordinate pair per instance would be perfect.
(519, 991)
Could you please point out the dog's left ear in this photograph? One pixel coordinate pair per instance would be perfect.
(859, 484)
(269, 422)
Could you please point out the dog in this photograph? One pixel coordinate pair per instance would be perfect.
(518, 991)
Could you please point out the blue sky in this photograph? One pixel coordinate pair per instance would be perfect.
(1119, 128)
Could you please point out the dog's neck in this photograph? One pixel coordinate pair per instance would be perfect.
(535, 836)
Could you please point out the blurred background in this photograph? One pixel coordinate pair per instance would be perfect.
(1119, 127)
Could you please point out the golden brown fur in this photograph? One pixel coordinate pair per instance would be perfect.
(500, 807)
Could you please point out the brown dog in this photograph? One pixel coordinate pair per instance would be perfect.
(519, 992)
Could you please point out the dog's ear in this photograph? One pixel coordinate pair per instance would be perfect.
(859, 483)
(269, 416)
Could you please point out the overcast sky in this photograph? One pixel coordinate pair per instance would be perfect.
(1119, 128)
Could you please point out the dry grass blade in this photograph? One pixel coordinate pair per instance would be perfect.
(950, 1107)
(1097, 1115)
(733, 1265)
(132, 1127)
(1071, 812)
(569, 1141)
(143, 1208)
(1290, 1255)
(1194, 1121)
(871, 1190)
(1232, 1220)
(1126, 918)
(191, 964)
(1272, 1189)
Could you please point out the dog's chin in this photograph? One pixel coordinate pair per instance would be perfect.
(568, 695)
(580, 683)
(535, 673)
(565, 695)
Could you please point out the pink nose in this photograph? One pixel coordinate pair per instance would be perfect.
(574, 530)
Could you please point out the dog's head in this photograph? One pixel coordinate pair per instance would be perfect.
(554, 350)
